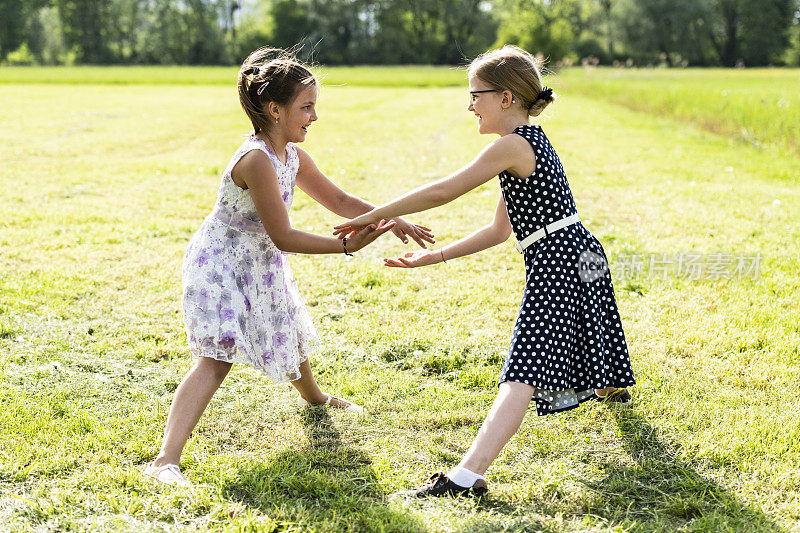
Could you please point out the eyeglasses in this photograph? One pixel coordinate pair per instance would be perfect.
(472, 94)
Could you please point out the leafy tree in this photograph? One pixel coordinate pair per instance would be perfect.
(254, 30)
(334, 31)
(537, 26)
(47, 39)
(192, 32)
(408, 31)
(792, 54)
(125, 22)
(16, 20)
(606, 6)
(662, 30)
(384, 31)
(429, 31)
(86, 24)
(705, 32)
(466, 29)
(755, 32)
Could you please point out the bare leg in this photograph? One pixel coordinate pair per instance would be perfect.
(190, 400)
(310, 391)
(503, 420)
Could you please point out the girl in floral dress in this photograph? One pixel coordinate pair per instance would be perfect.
(240, 301)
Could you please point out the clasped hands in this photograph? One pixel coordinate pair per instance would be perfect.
(364, 229)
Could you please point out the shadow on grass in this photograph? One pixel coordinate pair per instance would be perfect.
(658, 492)
(662, 492)
(326, 486)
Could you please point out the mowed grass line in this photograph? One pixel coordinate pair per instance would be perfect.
(757, 106)
(98, 205)
(371, 76)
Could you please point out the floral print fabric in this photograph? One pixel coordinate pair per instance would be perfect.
(240, 301)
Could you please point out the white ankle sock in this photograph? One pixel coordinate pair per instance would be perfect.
(463, 477)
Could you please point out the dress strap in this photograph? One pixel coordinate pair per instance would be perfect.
(292, 159)
(248, 146)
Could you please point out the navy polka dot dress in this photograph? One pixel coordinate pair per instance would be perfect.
(568, 339)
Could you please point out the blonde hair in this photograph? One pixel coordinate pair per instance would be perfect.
(270, 75)
(513, 69)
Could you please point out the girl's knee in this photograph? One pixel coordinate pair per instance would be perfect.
(516, 389)
(217, 369)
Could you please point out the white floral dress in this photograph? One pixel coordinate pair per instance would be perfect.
(240, 300)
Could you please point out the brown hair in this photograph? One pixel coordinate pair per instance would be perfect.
(270, 75)
(512, 68)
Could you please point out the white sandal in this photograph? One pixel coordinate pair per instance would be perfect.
(169, 474)
(351, 407)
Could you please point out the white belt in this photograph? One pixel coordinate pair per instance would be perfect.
(547, 230)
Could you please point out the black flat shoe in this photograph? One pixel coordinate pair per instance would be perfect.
(620, 396)
(440, 485)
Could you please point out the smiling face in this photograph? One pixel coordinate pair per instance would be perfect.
(295, 117)
(485, 102)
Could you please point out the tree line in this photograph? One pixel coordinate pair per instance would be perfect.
(221, 32)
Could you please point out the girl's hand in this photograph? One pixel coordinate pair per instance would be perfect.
(351, 226)
(415, 231)
(415, 259)
(367, 235)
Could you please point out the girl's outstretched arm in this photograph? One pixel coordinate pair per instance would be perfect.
(315, 184)
(256, 170)
(510, 152)
(490, 235)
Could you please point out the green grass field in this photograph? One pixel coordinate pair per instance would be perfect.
(104, 183)
(759, 106)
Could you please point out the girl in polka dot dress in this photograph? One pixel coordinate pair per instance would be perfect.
(568, 345)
